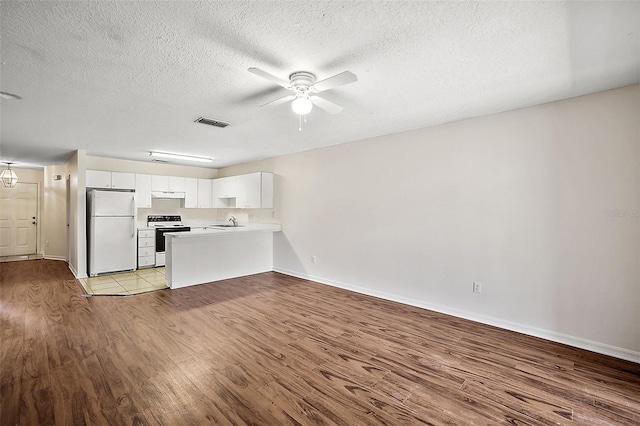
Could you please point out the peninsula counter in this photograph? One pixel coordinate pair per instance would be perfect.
(212, 254)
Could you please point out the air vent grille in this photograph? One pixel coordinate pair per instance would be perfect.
(212, 122)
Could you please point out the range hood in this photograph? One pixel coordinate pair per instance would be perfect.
(167, 194)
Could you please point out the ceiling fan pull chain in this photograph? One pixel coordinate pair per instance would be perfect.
(299, 123)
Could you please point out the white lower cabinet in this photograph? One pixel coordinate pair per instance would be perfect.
(146, 248)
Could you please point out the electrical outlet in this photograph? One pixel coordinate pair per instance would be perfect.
(477, 288)
(313, 259)
(273, 214)
(46, 244)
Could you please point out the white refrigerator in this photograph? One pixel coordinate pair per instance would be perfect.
(112, 231)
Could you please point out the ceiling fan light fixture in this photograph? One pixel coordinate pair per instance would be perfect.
(302, 105)
(9, 177)
(157, 154)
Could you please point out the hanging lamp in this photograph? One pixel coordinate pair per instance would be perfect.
(9, 177)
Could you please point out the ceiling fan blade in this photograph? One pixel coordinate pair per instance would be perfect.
(326, 105)
(272, 78)
(280, 101)
(345, 77)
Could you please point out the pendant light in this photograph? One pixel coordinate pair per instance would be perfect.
(9, 177)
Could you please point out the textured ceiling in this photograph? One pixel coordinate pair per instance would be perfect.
(121, 78)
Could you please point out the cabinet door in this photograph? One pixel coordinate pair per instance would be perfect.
(143, 191)
(160, 183)
(98, 179)
(204, 193)
(251, 197)
(177, 184)
(227, 189)
(123, 180)
(266, 201)
(216, 188)
(191, 193)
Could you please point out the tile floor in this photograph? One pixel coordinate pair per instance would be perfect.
(21, 257)
(126, 284)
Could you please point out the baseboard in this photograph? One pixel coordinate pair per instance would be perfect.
(74, 272)
(54, 258)
(553, 336)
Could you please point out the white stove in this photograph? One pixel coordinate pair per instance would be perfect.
(164, 221)
(163, 224)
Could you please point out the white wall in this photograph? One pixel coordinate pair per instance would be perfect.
(54, 219)
(77, 224)
(540, 205)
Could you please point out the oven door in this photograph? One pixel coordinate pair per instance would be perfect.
(160, 243)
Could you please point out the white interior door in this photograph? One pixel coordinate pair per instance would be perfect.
(18, 219)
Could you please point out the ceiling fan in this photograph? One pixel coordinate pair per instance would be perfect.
(304, 86)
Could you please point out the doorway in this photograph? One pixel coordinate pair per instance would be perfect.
(18, 219)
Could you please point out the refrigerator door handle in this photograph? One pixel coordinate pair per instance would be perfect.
(133, 204)
(133, 226)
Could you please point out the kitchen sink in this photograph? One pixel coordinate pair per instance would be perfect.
(226, 226)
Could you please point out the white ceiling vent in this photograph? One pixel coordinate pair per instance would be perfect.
(212, 122)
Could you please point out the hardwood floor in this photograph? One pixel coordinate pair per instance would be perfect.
(275, 350)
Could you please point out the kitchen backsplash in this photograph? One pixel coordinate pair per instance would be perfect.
(202, 216)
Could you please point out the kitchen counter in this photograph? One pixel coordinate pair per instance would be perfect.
(210, 254)
(208, 230)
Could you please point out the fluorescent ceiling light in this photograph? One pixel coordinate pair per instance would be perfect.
(9, 96)
(180, 157)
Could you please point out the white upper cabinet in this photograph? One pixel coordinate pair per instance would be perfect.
(250, 198)
(266, 193)
(123, 180)
(168, 183)
(204, 193)
(110, 180)
(98, 179)
(159, 183)
(177, 184)
(216, 191)
(191, 193)
(251, 191)
(225, 192)
(143, 191)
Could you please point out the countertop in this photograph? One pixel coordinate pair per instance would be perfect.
(209, 230)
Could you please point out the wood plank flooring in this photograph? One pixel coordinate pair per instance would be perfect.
(275, 350)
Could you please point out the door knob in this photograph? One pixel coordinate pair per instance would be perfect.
(34, 222)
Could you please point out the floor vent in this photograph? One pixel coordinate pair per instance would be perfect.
(211, 122)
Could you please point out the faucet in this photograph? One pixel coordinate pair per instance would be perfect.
(233, 220)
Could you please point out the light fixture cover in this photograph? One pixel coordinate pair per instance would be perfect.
(302, 105)
(9, 96)
(180, 157)
(9, 177)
